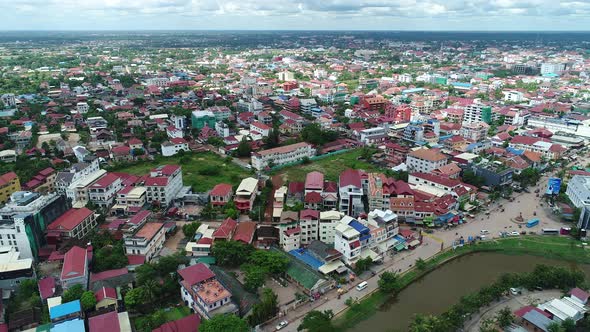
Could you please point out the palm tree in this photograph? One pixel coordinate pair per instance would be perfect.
(150, 288)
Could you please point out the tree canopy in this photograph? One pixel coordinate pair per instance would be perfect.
(224, 323)
(317, 321)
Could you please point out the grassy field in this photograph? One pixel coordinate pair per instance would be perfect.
(202, 170)
(555, 247)
(331, 166)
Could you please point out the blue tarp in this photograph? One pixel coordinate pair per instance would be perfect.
(400, 238)
(517, 152)
(64, 309)
(69, 326)
(307, 258)
(365, 237)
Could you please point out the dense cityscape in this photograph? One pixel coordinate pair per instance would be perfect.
(221, 181)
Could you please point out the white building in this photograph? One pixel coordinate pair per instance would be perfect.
(14, 269)
(82, 107)
(425, 160)
(327, 224)
(8, 99)
(552, 68)
(476, 112)
(282, 155)
(104, 191)
(513, 96)
(291, 239)
(163, 184)
(351, 192)
(260, 128)
(286, 76)
(147, 241)
(578, 190)
(373, 136)
(173, 146)
(78, 190)
(160, 82)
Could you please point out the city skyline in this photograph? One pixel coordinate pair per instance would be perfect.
(434, 15)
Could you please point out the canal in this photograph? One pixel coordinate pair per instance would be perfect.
(442, 288)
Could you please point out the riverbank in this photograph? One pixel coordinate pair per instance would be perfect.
(562, 248)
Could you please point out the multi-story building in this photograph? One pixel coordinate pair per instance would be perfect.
(9, 184)
(513, 96)
(104, 191)
(543, 146)
(75, 268)
(221, 194)
(351, 192)
(477, 112)
(260, 128)
(25, 217)
(425, 160)
(494, 174)
(552, 68)
(160, 82)
(173, 146)
(163, 184)
(74, 224)
(374, 103)
(202, 292)
(78, 190)
(129, 199)
(327, 224)
(13, 269)
(246, 194)
(286, 76)
(291, 239)
(82, 107)
(373, 136)
(79, 170)
(147, 241)
(475, 131)
(578, 191)
(309, 223)
(8, 99)
(201, 119)
(282, 155)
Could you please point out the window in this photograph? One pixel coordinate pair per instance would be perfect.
(18, 229)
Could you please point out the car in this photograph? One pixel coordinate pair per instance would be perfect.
(282, 324)
(515, 291)
(484, 232)
(514, 233)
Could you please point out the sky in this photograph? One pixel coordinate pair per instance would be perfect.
(538, 15)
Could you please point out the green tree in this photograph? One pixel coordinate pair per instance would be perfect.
(231, 253)
(568, 325)
(487, 325)
(73, 293)
(266, 309)
(421, 264)
(88, 300)
(317, 321)
(134, 298)
(272, 140)
(224, 323)
(470, 178)
(504, 317)
(244, 149)
(388, 282)
(554, 327)
(190, 229)
(362, 265)
(253, 277)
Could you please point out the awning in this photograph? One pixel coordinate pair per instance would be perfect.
(469, 207)
(330, 267)
(414, 243)
(400, 246)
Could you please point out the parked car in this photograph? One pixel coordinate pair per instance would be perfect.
(515, 291)
(484, 232)
(514, 233)
(281, 325)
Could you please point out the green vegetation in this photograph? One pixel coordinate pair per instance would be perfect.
(266, 309)
(331, 166)
(317, 321)
(73, 293)
(109, 254)
(189, 230)
(149, 322)
(561, 248)
(201, 170)
(224, 323)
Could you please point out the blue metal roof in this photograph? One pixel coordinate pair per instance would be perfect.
(461, 84)
(359, 227)
(517, 152)
(400, 238)
(365, 237)
(413, 90)
(306, 257)
(537, 319)
(64, 309)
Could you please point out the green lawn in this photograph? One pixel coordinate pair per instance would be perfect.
(555, 247)
(201, 170)
(177, 313)
(331, 166)
(142, 323)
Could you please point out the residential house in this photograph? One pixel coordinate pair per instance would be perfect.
(282, 155)
(174, 146)
(425, 160)
(74, 224)
(103, 192)
(246, 194)
(351, 192)
(147, 241)
(75, 268)
(221, 194)
(9, 184)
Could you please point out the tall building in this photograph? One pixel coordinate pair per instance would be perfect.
(163, 184)
(425, 160)
(477, 112)
(578, 191)
(552, 68)
(24, 219)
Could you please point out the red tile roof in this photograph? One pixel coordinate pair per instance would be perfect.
(292, 231)
(187, 324)
(105, 293)
(196, 274)
(313, 197)
(94, 277)
(314, 180)
(7, 178)
(350, 177)
(105, 181)
(46, 287)
(149, 230)
(75, 261)
(221, 189)
(178, 140)
(226, 229)
(245, 232)
(69, 220)
(309, 214)
(135, 259)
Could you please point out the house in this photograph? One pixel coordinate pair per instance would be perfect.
(163, 184)
(579, 295)
(147, 241)
(291, 239)
(203, 293)
(246, 194)
(282, 155)
(68, 311)
(111, 321)
(121, 153)
(187, 324)
(46, 288)
(221, 194)
(226, 230)
(104, 191)
(75, 268)
(106, 297)
(260, 128)
(74, 224)
(9, 184)
(174, 146)
(244, 232)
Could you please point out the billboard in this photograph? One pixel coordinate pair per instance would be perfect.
(553, 186)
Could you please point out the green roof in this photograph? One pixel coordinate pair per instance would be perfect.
(301, 273)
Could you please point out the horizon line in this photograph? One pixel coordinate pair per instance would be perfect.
(286, 30)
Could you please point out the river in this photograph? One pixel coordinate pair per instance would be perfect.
(442, 288)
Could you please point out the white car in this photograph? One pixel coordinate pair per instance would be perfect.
(514, 233)
(484, 232)
(515, 291)
(282, 325)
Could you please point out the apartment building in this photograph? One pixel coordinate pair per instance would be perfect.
(475, 131)
(163, 184)
(74, 224)
(373, 136)
(351, 192)
(24, 219)
(477, 112)
(147, 241)
(425, 160)
(78, 190)
(578, 191)
(543, 146)
(203, 293)
(282, 155)
(129, 200)
(260, 128)
(309, 223)
(104, 191)
(327, 224)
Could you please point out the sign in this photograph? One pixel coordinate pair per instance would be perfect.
(553, 186)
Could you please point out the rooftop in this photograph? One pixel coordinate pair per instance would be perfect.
(211, 291)
(69, 220)
(149, 230)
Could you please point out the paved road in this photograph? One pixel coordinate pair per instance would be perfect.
(525, 203)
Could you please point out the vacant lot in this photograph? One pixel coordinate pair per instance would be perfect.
(331, 166)
(201, 170)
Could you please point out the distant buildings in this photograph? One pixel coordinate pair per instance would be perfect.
(425, 160)
(282, 155)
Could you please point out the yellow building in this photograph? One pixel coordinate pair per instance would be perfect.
(9, 184)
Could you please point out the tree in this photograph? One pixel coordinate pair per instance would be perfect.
(134, 298)
(224, 323)
(362, 265)
(554, 327)
(266, 309)
(470, 178)
(317, 321)
(88, 300)
(253, 277)
(272, 140)
(150, 290)
(388, 282)
(504, 317)
(231, 253)
(421, 264)
(487, 325)
(244, 149)
(189, 230)
(73, 293)
(568, 325)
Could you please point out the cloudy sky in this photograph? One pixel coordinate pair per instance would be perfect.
(295, 14)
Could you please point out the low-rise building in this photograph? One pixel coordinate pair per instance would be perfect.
(246, 194)
(75, 268)
(174, 146)
(104, 191)
(9, 184)
(425, 160)
(147, 241)
(221, 194)
(14, 269)
(74, 224)
(282, 155)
